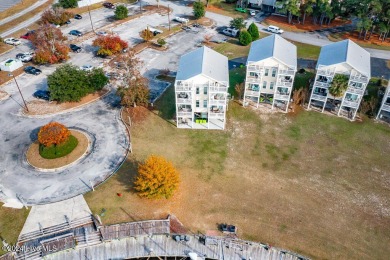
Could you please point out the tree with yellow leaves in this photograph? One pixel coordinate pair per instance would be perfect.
(157, 178)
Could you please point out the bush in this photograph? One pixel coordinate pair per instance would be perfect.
(121, 12)
(109, 45)
(68, 3)
(157, 178)
(198, 10)
(245, 38)
(253, 31)
(161, 42)
(68, 83)
(238, 23)
(53, 133)
(56, 16)
(57, 151)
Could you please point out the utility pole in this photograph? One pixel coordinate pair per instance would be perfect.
(90, 18)
(140, 6)
(17, 85)
(169, 20)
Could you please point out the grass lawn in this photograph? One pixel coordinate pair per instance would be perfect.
(11, 223)
(219, 7)
(60, 150)
(311, 183)
(5, 47)
(307, 51)
(164, 103)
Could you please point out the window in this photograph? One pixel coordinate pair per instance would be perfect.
(271, 85)
(273, 72)
(204, 103)
(253, 74)
(197, 90)
(197, 103)
(266, 72)
(264, 84)
(205, 90)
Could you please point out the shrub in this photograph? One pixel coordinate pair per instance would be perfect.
(198, 10)
(238, 23)
(53, 133)
(57, 151)
(121, 12)
(157, 178)
(109, 45)
(56, 16)
(161, 42)
(68, 3)
(253, 31)
(245, 38)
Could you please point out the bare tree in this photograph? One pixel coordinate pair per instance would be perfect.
(207, 38)
(239, 88)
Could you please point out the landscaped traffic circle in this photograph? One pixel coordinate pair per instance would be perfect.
(71, 151)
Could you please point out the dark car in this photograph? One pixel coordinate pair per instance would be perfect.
(78, 17)
(75, 48)
(109, 5)
(75, 33)
(42, 94)
(27, 35)
(32, 70)
(68, 22)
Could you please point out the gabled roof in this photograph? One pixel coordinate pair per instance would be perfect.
(203, 61)
(346, 51)
(274, 46)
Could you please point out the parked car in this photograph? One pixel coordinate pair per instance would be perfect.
(78, 17)
(231, 31)
(275, 29)
(86, 67)
(252, 12)
(42, 94)
(154, 30)
(27, 35)
(241, 10)
(186, 28)
(75, 33)
(109, 5)
(12, 41)
(68, 22)
(25, 57)
(32, 70)
(102, 33)
(181, 19)
(75, 48)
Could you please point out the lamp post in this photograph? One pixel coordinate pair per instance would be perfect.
(90, 18)
(17, 85)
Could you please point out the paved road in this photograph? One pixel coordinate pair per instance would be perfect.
(28, 9)
(5, 4)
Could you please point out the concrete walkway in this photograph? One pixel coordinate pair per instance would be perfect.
(28, 9)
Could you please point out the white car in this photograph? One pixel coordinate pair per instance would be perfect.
(25, 57)
(102, 33)
(252, 12)
(275, 29)
(12, 41)
(181, 19)
(86, 67)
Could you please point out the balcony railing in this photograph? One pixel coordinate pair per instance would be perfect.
(352, 104)
(184, 113)
(286, 72)
(284, 84)
(321, 84)
(252, 93)
(183, 87)
(355, 90)
(217, 102)
(282, 96)
(250, 79)
(359, 78)
(386, 107)
(184, 100)
(325, 72)
(318, 97)
(254, 68)
(220, 115)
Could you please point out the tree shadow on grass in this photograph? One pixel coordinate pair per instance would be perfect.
(128, 173)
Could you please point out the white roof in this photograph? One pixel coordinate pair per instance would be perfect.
(346, 51)
(203, 61)
(274, 46)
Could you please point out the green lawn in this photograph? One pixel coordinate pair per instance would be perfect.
(11, 223)
(57, 151)
(307, 51)
(166, 103)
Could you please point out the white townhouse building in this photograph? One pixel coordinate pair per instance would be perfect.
(343, 57)
(271, 68)
(201, 90)
(384, 110)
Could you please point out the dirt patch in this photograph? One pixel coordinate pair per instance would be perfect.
(137, 114)
(4, 75)
(3, 95)
(5, 48)
(40, 107)
(35, 159)
(281, 21)
(163, 10)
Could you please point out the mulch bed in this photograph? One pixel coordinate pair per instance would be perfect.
(374, 39)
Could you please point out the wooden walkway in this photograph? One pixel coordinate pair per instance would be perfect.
(165, 245)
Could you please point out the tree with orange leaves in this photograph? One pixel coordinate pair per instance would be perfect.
(157, 178)
(53, 133)
(109, 45)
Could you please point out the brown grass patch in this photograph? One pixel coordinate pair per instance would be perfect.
(4, 74)
(373, 42)
(137, 114)
(39, 107)
(17, 8)
(309, 183)
(5, 48)
(35, 159)
(282, 22)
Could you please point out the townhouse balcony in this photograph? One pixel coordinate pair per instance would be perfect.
(183, 87)
(357, 91)
(319, 97)
(254, 68)
(217, 110)
(359, 78)
(321, 84)
(251, 79)
(217, 102)
(183, 98)
(286, 72)
(282, 96)
(325, 72)
(218, 87)
(252, 93)
(220, 115)
(184, 114)
(287, 84)
(351, 103)
(386, 107)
